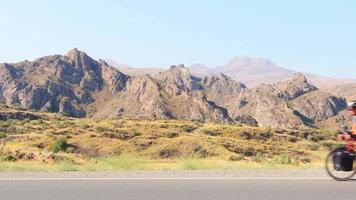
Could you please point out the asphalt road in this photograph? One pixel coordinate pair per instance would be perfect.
(111, 187)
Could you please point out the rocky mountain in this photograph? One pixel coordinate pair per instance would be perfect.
(57, 83)
(78, 86)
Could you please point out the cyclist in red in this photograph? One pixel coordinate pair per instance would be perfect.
(351, 108)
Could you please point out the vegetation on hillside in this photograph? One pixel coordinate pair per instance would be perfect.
(54, 142)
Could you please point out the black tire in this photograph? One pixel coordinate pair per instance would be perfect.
(342, 176)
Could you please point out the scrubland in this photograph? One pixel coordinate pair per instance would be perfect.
(50, 142)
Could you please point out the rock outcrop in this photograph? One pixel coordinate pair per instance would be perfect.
(293, 88)
(57, 83)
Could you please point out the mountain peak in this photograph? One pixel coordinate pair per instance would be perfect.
(180, 66)
(299, 77)
(253, 71)
(201, 70)
(247, 61)
(75, 53)
(179, 69)
(295, 87)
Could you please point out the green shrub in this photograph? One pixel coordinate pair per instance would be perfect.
(2, 134)
(60, 144)
(9, 158)
(37, 122)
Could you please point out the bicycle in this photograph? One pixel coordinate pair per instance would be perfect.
(340, 161)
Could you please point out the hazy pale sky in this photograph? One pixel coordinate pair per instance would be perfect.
(317, 36)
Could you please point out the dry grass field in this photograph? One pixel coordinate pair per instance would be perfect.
(32, 141)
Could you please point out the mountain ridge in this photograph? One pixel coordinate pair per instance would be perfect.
(77, 85)
(251, 71)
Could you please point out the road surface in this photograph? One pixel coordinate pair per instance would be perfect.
(169, 185)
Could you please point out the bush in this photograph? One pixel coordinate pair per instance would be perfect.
(249, 151)
(292, 139)
(316, 137)
(245, 135)
(163, 126)
(170, 134)
(168, 153)
(211, 132)
(60, 144)
(329, 144)
(2, 134)
(37, 122)
(313, 147)
(121, 134)
(258, 157)
(103, 129)
(70, 150)
(282, 159)
(304, 159)
(188, 128)
(9, 158)
(263, 135)
(85, 126)
(236, 158)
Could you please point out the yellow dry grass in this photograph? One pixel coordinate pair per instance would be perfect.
(129, 144)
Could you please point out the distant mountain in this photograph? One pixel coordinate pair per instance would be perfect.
(254, 71)
(248, 70)
(347, 90)
(135, 71)
(198, 70)
(201, 70)
(116, 64)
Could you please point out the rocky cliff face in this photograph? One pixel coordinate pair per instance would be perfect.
(293, 88)
(290, 103)
(57, 83)
(78, 86)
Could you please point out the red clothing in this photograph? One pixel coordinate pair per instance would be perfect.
(353, 129)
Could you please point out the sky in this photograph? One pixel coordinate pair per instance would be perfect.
(316, 36)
